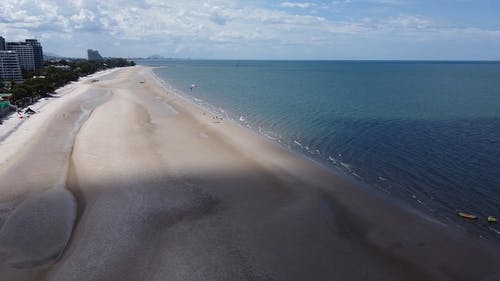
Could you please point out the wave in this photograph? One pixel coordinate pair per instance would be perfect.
(494, 230)
(298, 143)
(330, 158)
(345, 165)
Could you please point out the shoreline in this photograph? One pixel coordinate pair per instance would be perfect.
(361, 186)
(346, 174)
(171, 193)
(260, 134)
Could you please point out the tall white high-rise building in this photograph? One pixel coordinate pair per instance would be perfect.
(30, 53)
(9, 67)
(24, 53)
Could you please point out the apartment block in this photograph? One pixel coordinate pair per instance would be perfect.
(9, 67)
(30, 53)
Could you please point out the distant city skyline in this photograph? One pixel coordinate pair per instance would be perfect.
(257, 29)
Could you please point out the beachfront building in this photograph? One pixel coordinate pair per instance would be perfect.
(37, 52)
(29, 53)
(24, 54)
(2, 44)
(93, 55)
(10, 69)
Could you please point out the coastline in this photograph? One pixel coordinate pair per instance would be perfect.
(178, 194)
(409, 200)
(356, 187)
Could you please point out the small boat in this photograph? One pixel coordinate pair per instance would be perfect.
(492, 219)
(467, 216)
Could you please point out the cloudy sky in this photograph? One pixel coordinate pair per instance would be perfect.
(258, 29)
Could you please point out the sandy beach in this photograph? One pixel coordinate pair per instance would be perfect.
(122, 180)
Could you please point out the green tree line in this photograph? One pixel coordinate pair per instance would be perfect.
(43, 83)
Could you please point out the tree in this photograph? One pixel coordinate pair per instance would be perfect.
(19, 94)
(42, 87)
(34, 88)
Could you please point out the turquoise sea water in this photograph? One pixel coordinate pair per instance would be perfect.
(427, 133)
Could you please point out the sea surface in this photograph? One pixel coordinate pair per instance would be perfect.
(425, 133)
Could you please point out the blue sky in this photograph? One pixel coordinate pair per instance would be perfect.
(335, 29)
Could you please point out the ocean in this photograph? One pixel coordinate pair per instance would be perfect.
(424, 133)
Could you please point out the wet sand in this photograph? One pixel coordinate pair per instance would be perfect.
(165, 192)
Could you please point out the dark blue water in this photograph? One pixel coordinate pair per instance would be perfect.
(424, 132)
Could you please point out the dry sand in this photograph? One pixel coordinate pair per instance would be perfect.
(164, 192)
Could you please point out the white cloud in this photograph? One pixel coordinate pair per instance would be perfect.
(213, 27)
(409, 22)
(303, 5)
(83, 18)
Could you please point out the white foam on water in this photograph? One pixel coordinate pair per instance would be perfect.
(494, 230)
(269, 137)
(332, 159)
(298, 143)
(347, 166)
(314, 151)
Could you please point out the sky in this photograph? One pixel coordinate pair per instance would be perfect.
(258, 29)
